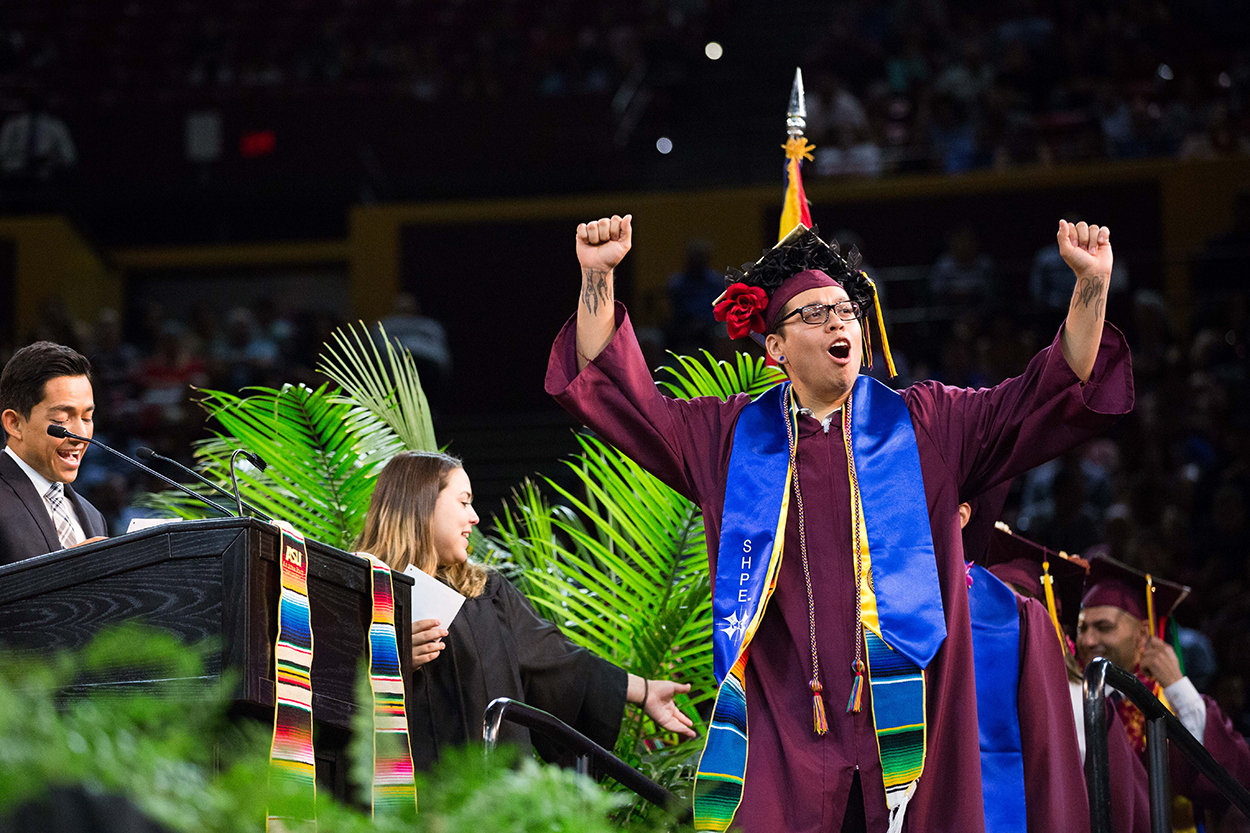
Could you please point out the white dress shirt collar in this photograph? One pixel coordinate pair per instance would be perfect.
(40, 482)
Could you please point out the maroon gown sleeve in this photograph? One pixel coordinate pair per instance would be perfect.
(1130, 796)
(1054, 783)
(680, 442)
(993, 434)
(1230, 751)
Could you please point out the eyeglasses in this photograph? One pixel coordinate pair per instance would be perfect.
(819, 313)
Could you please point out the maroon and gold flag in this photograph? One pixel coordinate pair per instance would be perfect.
(794, 209)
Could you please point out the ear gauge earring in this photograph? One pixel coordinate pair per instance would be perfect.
(781, 359)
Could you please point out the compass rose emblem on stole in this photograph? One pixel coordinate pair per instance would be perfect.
(733, 625)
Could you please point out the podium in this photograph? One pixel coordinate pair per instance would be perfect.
(214, 579)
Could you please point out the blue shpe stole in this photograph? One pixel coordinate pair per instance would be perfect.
(757, 494)
(996, 662)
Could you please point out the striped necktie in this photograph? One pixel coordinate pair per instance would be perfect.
(60, 515)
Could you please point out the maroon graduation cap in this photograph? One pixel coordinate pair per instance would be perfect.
(1048, 576)
(1142, 595)
(1053, 577)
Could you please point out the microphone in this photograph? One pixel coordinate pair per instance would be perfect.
(145, 453)
(60, 432)
(252, 458)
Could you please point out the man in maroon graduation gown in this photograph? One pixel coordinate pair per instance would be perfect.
(1115, 625)
(968, 441)
(1054, 778)
(1054, 784)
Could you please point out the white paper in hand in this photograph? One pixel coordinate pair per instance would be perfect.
(431, 599)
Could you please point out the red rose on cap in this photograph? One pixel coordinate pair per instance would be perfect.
(742, 309)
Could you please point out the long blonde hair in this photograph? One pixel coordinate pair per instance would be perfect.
(399, 526)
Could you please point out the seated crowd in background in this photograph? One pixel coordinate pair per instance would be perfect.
(900, 86)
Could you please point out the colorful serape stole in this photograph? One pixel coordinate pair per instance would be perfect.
(393, 787)
(292, 769)
(718, 782)
(898, 715)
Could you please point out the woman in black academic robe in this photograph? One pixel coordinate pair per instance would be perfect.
(422, 513)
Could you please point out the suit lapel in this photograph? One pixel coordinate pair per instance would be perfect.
(17, 480)
(85, 519)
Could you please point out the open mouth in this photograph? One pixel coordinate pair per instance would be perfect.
(70, 456)
(841, 350)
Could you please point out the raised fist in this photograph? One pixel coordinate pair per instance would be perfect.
(602, 244)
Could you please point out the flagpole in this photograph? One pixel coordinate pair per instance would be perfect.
(794, 209)
(796, 113)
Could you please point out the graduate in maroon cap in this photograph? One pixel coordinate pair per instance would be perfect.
(830, 506)
(1053, 792)
(1123, 613)
(1029, 568)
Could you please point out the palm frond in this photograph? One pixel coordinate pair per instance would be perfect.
(622, 569)
(385, 394)
(318, 478)
(712, 377)
(324, 446)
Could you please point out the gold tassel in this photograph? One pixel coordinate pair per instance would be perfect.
(1150, 603)
(867, 331)
(885, 340)
(1048, 585)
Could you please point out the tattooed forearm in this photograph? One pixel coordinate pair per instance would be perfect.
(596, 289)
(1091, 292)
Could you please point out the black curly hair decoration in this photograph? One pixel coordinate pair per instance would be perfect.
(803, 249)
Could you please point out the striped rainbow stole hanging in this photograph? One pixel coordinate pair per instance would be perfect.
(901, 611)
(898, 716)
(393, 788)
(292, 769)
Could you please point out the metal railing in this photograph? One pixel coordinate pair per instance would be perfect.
(1161, 727)
(587, 751)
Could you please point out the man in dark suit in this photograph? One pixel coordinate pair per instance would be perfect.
(44, 384)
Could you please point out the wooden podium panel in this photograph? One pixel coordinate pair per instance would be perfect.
(214, 579)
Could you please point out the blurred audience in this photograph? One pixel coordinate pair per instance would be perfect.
(691, 294)
(909, 85)
(426, 339)
(35, 144)
(987, 85)
(963, 274)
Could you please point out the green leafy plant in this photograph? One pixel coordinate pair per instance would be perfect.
(621, 564)
(196, 770)
(710, 377)
(381, 392)
(323, 446)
